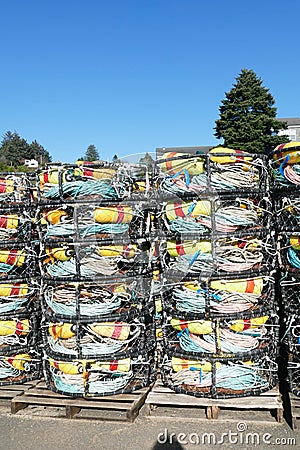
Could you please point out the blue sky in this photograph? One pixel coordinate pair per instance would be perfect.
(132, 75)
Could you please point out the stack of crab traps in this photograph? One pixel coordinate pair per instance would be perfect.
(217, 261)
(286, 181)
(97, 325)
(20, 360)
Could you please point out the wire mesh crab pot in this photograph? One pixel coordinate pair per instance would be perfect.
(215, 214)
(290, 292)
(222, 170)
(219, 379)
(64, 261)
(17, 332)
(99, 377)
(17, 260)
(88, 222)
(294, 374)
(248, 336)
(90, 301)
(115, 337)
(285, 166)
(218, 297)
(18, 297)
(289, 251)
(15, 224)
(20, 366)
(292, 335)
(14, 189)
(287, 211)
(202, 256)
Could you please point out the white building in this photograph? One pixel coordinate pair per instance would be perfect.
(293, 130)
(32, 163)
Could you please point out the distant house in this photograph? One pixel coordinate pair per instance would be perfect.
(32, 163)
(293, 130)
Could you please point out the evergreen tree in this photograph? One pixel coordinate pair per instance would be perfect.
(14, 149)
(38, 152)
(91, 154)
(248, 116)
(147, 159)
(115, 159)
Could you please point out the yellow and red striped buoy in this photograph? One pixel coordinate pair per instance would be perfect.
(179, 364)
(190, 209)
(247, 285)
(9, 221)
(194, 326)
(179, 248)
(193, 165)
(6, 186)
(60, 253)
(13, 257)
(224, 155)
(62, 330)
(118, 365)
(124, 251)
(290, 152)
(13, 290)
(19, 362)
(55, 216)
(77, 367)
(114, 330)
(113, 214)
(295, 242)
(246, 324)
(17, 327)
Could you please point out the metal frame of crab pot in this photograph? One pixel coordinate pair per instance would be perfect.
(123, 179)
(31, 298)
(138, 265)
(18, 220)
(293, 369)
(54, 338)
(77, 213)
(268, 344)
(259, 161)
(283, 247)
(266, 301)
(15, 251)
(285, 213)
(25, 364)
(267, 265)
(284, 187)
(267, 372)
(26, 330)
(24, 199)
(292, 336)
(143, 367)
(216, 202)
(289, 285)
(137, 289)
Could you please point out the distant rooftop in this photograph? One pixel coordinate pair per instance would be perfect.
(290, 120)
(193, 150)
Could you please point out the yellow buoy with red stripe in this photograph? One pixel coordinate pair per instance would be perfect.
(6, 186)
(179, 364)
(191, 209)
(290, 152)
(96, 173)
(60, 253)
(114, 330)
(19, 362)
(69, 367)
(224, 155)
(245, 324)
(124, 251)
(295, 242)
(194, 326)
(17, 327)
(247, 285)
(9, 221)
(62, 330)
(77, 367)
(55, 216)
(13, 257)
(120, 365)
(193, 165)
(113, 214)
(13, 290)
(179, 248)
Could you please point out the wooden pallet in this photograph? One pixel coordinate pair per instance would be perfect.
(8, 392)
(295, 409)
(122, 407)
(163, 398)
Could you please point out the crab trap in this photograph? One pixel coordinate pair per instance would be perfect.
(199, 255)
(250, 335)
(62, 261)
(221, 170)
(204, 377)
(20, 365)
(90, 222)
(285, 166)
(15, 224)
(97, 377)
(290, 293)
(289, 251)
(90, 182)
(218, 297)
(14, 189)
(68, 301)
(215, 214)
(18, 297)
(294, 374)
(115, 337)
(292, 334)
(17, 260)
(287, 212)
(17, 332)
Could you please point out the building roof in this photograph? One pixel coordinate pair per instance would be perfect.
(290, 120)
(193, 150)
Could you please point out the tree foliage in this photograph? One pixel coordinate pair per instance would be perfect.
(91, 154)
(248, 116)
(147, 159)
(14, 150)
